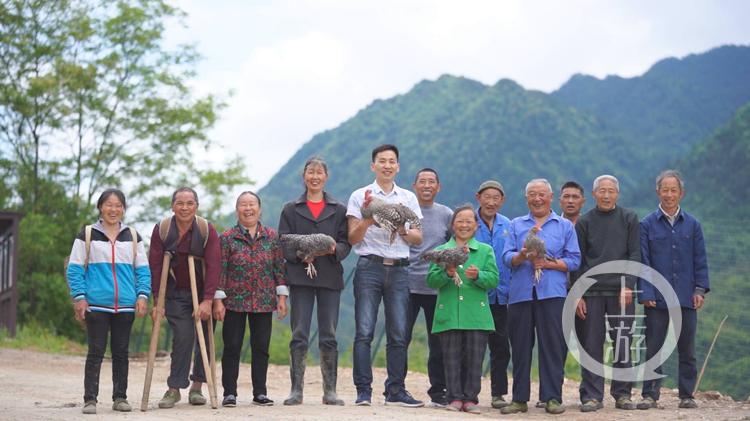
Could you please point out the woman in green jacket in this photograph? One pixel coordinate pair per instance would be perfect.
(462, 317)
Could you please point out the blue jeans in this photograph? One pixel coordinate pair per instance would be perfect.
(373, 281)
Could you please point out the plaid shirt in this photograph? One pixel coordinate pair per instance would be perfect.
(252, 269)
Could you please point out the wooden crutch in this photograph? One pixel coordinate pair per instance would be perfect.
(211, 344)
(199, 332)
(155, 330)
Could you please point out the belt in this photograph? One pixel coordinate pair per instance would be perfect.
(387, 261)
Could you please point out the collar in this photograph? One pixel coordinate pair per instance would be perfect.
(376, 189)
(676, 216)
(496, 220)
(472, 243)
(259, 232)
(99, 226)
(302, 199)
(552, 217)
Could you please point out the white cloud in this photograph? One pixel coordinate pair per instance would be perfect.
(300, 67)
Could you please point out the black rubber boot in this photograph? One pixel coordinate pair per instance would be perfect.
(328, 368)
(297, 374)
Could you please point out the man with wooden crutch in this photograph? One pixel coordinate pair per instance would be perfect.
(188, 292)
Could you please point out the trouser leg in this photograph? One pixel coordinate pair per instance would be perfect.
(435, 369)
(450, 342)
(97, 330)
(621, 335)
(199, 372)
(687, 371)
(552, 348)
(521, 324)
(475, 344)
(657, 323)
(302, 301)
(368, 290)
(121, 325)
(329, 301)
(233, 334)
(179, 311)
(499, 350)
(396, 306)
(260, 339)
(592, 330)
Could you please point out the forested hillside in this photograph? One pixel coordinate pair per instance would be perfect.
(678, 114)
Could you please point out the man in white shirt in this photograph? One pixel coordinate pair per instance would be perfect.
(382, 273)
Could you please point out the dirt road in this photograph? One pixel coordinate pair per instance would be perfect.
(38, 386)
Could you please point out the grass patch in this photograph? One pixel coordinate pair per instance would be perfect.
(36, 338)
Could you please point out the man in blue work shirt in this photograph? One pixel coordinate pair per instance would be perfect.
(535, 305)
(493, 230)
(672, 243)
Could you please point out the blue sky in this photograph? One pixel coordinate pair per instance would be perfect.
(297, 68)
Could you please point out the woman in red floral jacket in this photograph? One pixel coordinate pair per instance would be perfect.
(252, 277)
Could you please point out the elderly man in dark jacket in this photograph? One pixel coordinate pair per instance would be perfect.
(315, 211)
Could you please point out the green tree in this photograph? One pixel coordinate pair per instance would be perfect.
(91, 97)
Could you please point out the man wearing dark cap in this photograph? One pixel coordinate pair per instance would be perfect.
(493, 230)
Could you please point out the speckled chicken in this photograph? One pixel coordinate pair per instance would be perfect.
(308, 247)
(452, 257)
(389, 216)
(535, 244)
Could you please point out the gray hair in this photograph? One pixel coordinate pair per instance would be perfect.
(611, 178)
(538, 180)
(670, 173)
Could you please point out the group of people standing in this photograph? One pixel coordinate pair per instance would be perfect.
(504, 296)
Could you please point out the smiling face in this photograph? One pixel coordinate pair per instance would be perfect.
(539, 199)
(426, 187)
(385, 166)
(670, 194)
(315, 178)
(248, 210)
(464, 225)
(112, 210)
(571, 201)
(490, 201)
(606, 195)
(184, 207)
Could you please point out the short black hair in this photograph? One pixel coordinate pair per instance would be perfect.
(182, 190)
(383, 148)
(427, 169)
(111, 192)
(573, 184)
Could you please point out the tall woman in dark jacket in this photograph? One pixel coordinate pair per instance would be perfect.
(315, 211)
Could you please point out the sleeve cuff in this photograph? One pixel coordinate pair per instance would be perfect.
(699, 291)
(282, 290)
(79, 297)
(220, 295)
(144, 296)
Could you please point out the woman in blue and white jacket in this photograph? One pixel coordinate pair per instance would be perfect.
(110, 283)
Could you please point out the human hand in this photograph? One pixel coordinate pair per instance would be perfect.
(450, 271)
(581, 309)
(281, 307)
(79, 309)
(649, 303)
(698, 301)
(626, 297)
(219, 310)
(141, 307)
(204, 310)
(157, 312)
(472, 272)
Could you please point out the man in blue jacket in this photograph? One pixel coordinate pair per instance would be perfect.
(672, 243)
(493, 230)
